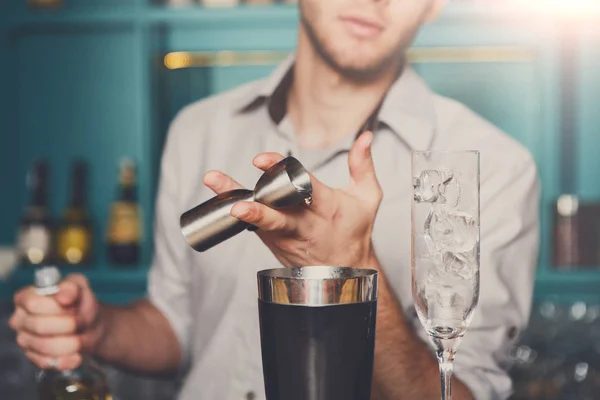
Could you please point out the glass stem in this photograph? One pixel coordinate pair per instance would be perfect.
(445, 359)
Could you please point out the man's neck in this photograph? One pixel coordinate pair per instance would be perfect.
(323, 105)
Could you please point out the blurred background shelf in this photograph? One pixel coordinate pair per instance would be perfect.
(152, 14)
(93, 13)
(103, 69)
(82, 17)
(279, 14)
(102, 79)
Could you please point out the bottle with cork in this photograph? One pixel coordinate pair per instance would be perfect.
(125, 220)
(87, 382)
(74, 236)
(35, 234)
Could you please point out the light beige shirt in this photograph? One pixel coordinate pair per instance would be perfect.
(211, 298)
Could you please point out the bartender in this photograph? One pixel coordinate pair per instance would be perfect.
(200, 316)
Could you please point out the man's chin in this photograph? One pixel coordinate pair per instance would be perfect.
(361, 66)
(360, 71)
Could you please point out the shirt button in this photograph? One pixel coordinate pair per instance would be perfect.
(250, 396)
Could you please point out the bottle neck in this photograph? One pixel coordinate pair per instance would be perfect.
(39, 198)
(37, 182)
(78, 186)
(47, 290)
(78, 199)
(128, 193)
(37, 210)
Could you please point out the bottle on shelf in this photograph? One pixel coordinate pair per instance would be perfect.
(125, 220)
(34, 239)
(595, 218)
(74, 238)
(567, 246)
(84, 383)
(588, 229)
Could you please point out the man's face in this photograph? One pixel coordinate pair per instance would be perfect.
(360, 38)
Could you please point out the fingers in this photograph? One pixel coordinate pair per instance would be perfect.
(33, 303)
(64, 363)
(16, 320)
(87, 305)
(48, 325)
(40, 348)
(363, 180)
(69, 293)
(55, 346)
(46, 329)
(218, 182)
(321, 193)
(267, 219)
(265, 161)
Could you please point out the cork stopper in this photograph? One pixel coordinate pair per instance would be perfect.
(567, 205)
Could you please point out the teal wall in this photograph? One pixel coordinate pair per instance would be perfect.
(588, 104)
(95, 68)
(8, 155)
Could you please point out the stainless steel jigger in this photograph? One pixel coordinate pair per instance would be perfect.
(285, 184)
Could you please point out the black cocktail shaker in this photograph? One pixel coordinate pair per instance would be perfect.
(317, 328)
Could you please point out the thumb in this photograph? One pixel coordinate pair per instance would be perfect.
(69, 294)
(362, 169)
(85, 300)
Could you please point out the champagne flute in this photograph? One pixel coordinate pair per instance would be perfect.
(445, 249)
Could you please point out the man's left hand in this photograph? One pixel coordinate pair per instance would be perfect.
(335, 230)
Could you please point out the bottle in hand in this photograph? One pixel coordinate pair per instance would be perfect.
(125, 223)
(34, 241)
(87, 382)
(75, 233)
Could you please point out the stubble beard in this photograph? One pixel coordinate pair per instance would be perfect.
(365, 74)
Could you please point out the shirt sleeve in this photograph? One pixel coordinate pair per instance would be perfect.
(509, 249)
(168, 279)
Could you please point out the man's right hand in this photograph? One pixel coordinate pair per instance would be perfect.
(56, 330)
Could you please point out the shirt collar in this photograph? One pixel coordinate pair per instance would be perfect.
(268, 86)
(408, 108)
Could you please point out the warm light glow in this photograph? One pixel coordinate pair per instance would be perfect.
(563, 7)
(71, 388)
(35, 255)
(178, 60)
(74, 255)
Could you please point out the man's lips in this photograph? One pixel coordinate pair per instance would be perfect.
(362, 27)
